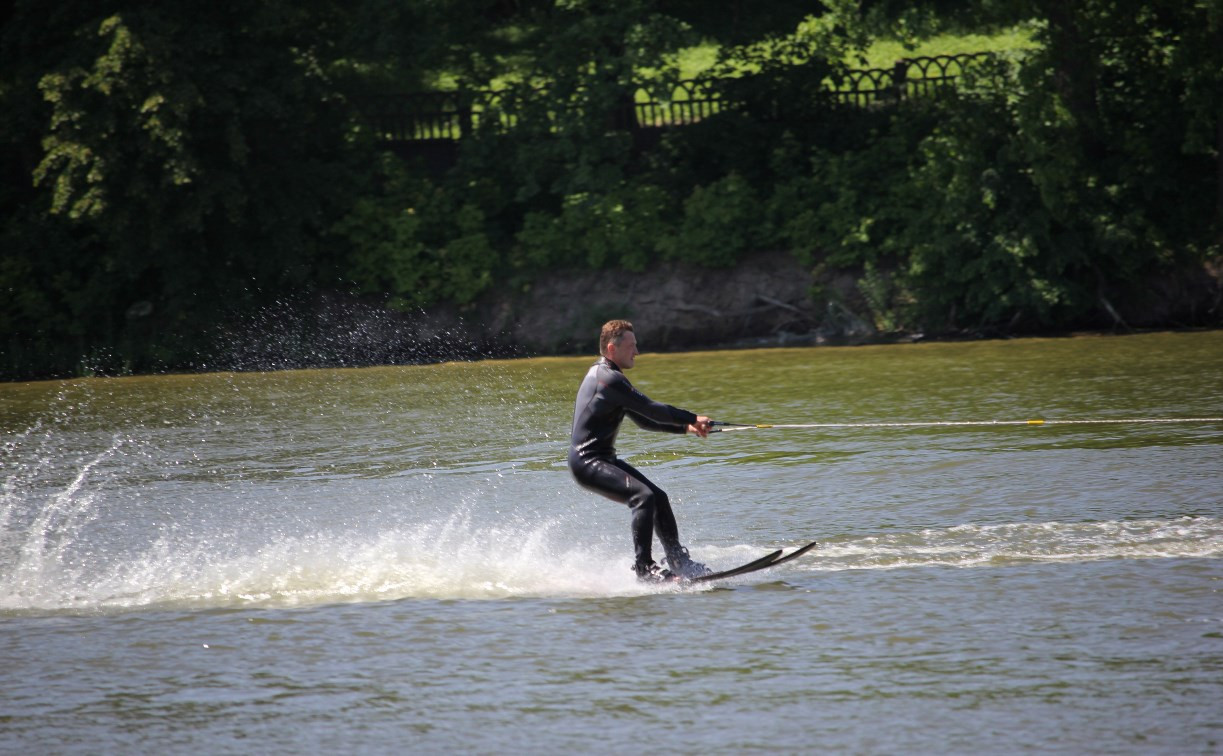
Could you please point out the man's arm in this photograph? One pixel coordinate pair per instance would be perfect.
(652, 415)
(700, 425)
(642, 408)
(656, 416)
(673, 426)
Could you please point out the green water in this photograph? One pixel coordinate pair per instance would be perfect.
(396, 559)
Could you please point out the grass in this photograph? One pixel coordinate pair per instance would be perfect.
(885, 52)
(882, 53)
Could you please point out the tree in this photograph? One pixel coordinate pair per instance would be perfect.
(191, 153)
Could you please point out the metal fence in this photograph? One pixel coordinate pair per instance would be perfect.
(448, 116)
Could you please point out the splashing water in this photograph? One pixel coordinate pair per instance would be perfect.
(52, 562)
(310, 487)
(453, 558)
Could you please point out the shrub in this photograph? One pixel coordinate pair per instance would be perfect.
(721, 222)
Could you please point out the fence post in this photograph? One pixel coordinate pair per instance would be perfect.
(900, 74)
(465, 100)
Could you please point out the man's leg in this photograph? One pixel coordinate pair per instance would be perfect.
(651, 514)
(650, 507)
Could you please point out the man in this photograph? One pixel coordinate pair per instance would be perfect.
(604, 398)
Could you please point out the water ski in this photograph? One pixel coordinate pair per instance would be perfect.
(763, 563)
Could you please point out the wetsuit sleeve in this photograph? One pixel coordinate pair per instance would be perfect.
(649, 414)
(648, 424)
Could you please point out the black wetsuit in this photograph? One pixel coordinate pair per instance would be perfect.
(604, 399)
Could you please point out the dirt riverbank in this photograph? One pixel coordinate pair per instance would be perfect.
(767, 300)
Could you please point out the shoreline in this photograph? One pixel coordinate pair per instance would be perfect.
(767, 300)
(782, 341)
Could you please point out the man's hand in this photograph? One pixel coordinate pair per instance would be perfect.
(701, 426)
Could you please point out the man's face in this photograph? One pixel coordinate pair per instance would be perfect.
(625, 352)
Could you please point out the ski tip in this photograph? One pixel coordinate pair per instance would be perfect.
(757, 564)
(763, 563)
(795, 554)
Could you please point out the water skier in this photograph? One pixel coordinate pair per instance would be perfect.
(603, 400)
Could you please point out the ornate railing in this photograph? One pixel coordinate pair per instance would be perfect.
(688, 102)
(447, 116)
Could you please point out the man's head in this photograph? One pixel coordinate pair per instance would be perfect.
(618, 343)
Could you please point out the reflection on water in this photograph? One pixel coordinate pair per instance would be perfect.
(415, 528)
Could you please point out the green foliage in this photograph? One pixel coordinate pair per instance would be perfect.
(720, 224)
(876, 287)
(843, 211)
(1033, 194)
(414, 244)
(185, 164)
(386, 254)
(989, 247)
(783, 76)
(1053, 188)
(166, 164)
(623, 228)
(468, 258)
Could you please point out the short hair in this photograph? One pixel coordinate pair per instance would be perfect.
(611, 333)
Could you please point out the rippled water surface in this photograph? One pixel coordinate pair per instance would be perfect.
(396, 559)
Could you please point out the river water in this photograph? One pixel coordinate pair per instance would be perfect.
(396, 559)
